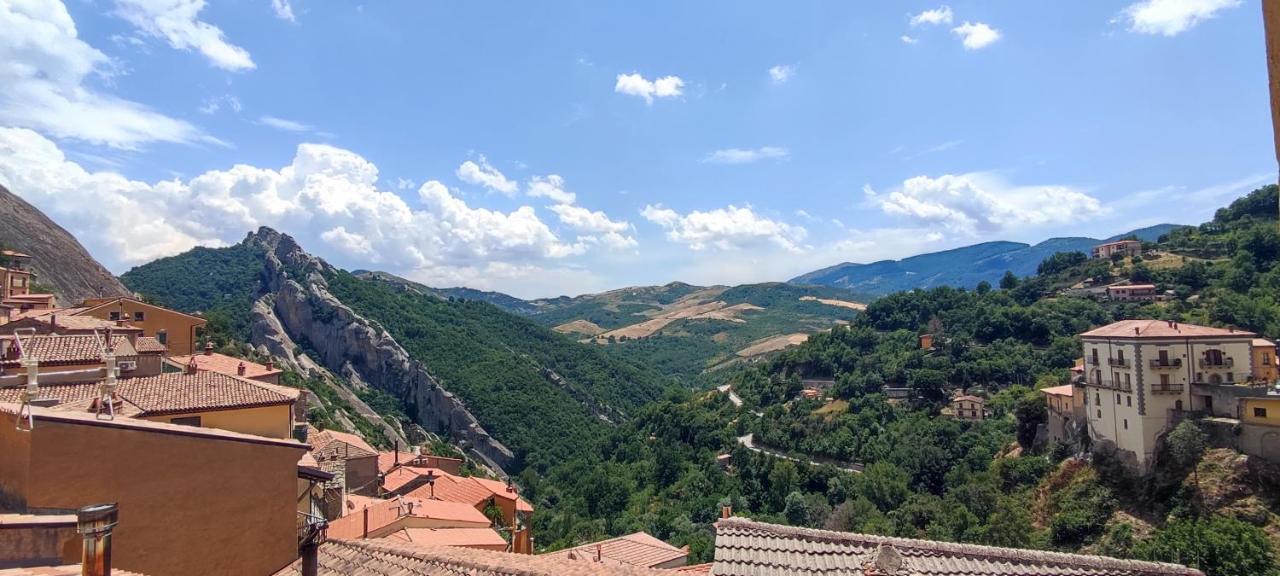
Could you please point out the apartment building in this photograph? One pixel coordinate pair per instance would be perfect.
(177, 330)
(967, 407)
(1133, 293)
(1119, 247)
(1266, 364)
(1139, 377)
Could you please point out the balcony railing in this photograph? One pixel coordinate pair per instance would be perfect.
(1112, 385)
(1118, 362)
(311, 528)
(1167, 388)
(1217, 363)
(1169, 364)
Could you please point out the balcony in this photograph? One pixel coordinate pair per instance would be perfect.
(1169, 364)
(1217, 363)
(1112, 385)
(1167, 388)
(1118, 362)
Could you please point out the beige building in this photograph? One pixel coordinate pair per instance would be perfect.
(174, 329)
(1121, 247)
(1061, 404)
(969, 407)
(1139, 376)
(1133, 293)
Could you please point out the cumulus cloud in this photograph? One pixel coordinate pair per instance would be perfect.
(44, 69)
(177, 22)
(283, 10)
(976, 35)
(1171, 17)
(740, 156)
(484, 174)
(727, 228)
(980, 203)
(552, 188)
(939, 15)
(327, 197)
(637, 85)
(596, 226)
(781, 73)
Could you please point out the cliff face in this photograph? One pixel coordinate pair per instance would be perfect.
(60, 262)
(297, 310)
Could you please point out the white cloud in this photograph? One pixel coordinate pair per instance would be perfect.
(1171, 17)
(550, 187)
(405, 184)
(44, 68)
(637, 85)
(939, 15)
(176, 21)
(597, 226)
(781, 73)
(976, 35)
(908, 40)
(283, 124)
(326, 197)
(982, 202)
(213, 104)
(483, 174)
(283, 10)
(727, 228)
(740, 156)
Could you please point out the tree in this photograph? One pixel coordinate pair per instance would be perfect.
(983, 287)
(1031, 413)
(1010, 524)
(1060, 261)
(1219, 546)
(796, 510)
(1009, 281)
(1185, 444)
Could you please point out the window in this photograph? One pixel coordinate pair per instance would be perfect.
(114, 316)
(1127, 381)
(1231, 377)
(139, 316)
(162, 336)
(1259, 412)
(1126, 423)
(1095, 357)
(1097, 398)
(1199, 377)
(186, 421)
(1117, 398)
(1164, 379)
(1128, 401)
(1164, 357)
(1099, 412)
(1120, 355)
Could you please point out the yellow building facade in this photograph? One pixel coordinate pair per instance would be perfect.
(175, 329)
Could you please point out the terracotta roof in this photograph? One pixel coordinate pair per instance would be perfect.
(89, 419)
(1133, 287)
(380, 515)
(45, 311)
(97, 303)
(969, 398)
(747, 548)
(64, 393)
(387, 460)
(385, 556)
(499, 489)
(396, 479)
(487, 537)
(215, 362)
(348, 446)
(149, 345)
(356, 503)
(1162, 329)
(452, 488)
(442, 510)
(638, 549)
(56, 349)
(1064, 390)
(695, 569)
(1263, 343)
(65, 570)
(179, 392)
(64, 322)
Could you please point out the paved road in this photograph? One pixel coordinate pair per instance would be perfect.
(749, 442)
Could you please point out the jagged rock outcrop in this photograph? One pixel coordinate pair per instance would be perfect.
(297, 309)
(59, 260)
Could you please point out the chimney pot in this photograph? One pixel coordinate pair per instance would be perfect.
(240, 369)
(208, 348)
(191, 366)
(95, 524)
(271, 364)
(726, 512)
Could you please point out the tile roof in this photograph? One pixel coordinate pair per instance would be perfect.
(1263, 343)
(486, 537)
(695, 569)
(387, 460)
(386, 557)
(376, 516)
(1162, 329)
(1133, 287)
(356, 502)
(88, 419)
(638, 549)
(64, 393)
(99, 303)
(444, 510)
(149, 344)
(65, 570)
(55, 349)
(969, 398)
(215, 362)
(179, 392)
(1064, 390)
(452, 488)
(66, 322)
(499, 489)
(747, 548)
(44, 311)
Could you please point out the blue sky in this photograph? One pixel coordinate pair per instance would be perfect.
(570, 147)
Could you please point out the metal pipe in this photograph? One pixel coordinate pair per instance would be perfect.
(95, 524)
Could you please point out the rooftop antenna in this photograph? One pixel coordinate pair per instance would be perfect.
(26, 420)
(104, 408)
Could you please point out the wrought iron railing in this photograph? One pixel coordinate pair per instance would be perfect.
(1215, 363)
(1159, 364)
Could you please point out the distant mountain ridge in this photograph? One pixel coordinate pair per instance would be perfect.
(962, 267)
(60, 262)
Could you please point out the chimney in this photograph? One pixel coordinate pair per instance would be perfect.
(599, 553)
(396, 449)
(191, 366)
(53, 322)
(95, 523)
(208, 348)
(1136, 331)
(300, 432)
(240, 369)
(726, 512)
(271, 364)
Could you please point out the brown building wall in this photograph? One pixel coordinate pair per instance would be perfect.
(180, 329)
(189, 505)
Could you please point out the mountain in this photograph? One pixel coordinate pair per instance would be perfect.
(963, 267)
(62, 265)
(511, 391)
(505, 301)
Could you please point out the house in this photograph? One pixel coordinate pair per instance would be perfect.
(1266, 364)
(151, 353)
(1061, 404)
(1119, 247)
(388, 461)
(638, 549)
(16, 279)
(382, 518)
(1133, 293)
(966, 407)
(176, 330)
(230, 365)
(1142, 375)
(339, 557)
(748, 548)
(486, 495)
(193, 501)
(358, 458)
(926, 341)
(1260, 430)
